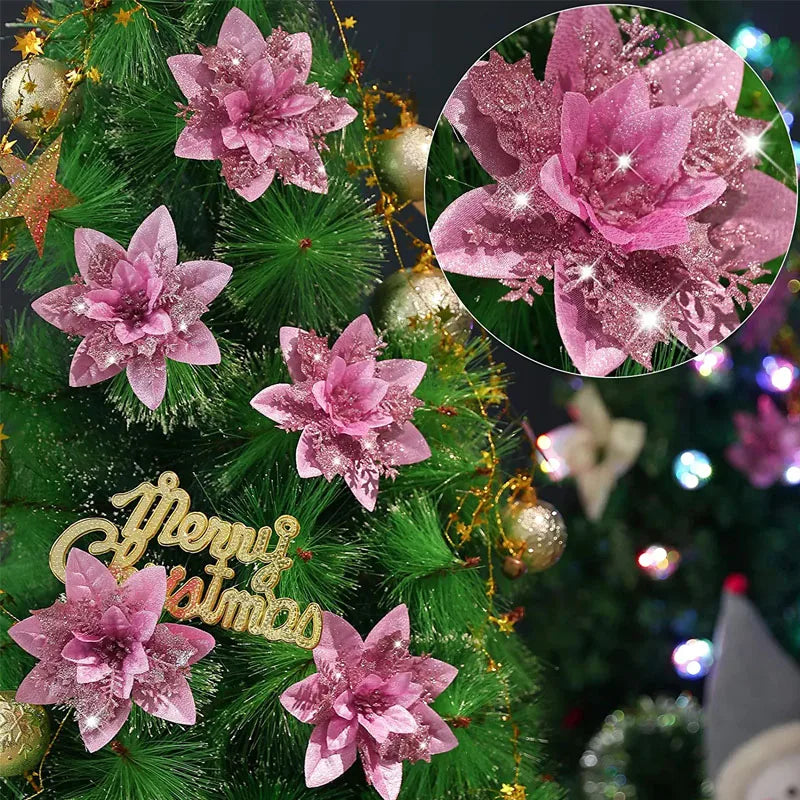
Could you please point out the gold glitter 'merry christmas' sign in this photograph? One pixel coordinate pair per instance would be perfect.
(162, 512)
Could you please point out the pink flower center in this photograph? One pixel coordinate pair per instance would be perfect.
(610, 183)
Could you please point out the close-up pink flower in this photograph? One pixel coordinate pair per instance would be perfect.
(354, 411)
(626, 178)
(135, 308)
(370, 698)
(250, 106)
(101, 649)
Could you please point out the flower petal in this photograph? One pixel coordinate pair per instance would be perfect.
(339, 641)
(239, 31)
(592, 351)
(691, 195)
(196, 345)
(406, 446)
(298, 54)
(305, 456)
(442, 738)
(156, 238)
(273, 402)
(575, 116)
(323, 765)
(190, 73)
(385, 776)
(146, 590)
(456, 253)
(357, 341)
(394, 625)
(288, 339)
(568, 48)
(658, 137)
(479, 131)
(624, 99)
(199, 142)
(341, 733)
(557, 186)
(260, 183)
(403, 372)
(98, 734)
(434, 675)
(698, 75)
(363, 479)
(302, 699)
(96, 255)
(29, 636)
(200, 641)
(85, 371)
(171, 701)
(759, 221)
(148, 379)
(40, 688)
(87, 578)
(57, 308)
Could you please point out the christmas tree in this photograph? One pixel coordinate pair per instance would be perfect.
(268, 206)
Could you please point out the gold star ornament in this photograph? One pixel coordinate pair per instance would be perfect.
(123, 17)
(349, 23)
(3, 436)
(33, 15)
(34, 192)
(28, 45)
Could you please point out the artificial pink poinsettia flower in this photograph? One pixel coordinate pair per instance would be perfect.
(355, 411)
(135, 308)
(769, 443)
(370, 698)
(627, 180)
(101, 649)
(250, 107)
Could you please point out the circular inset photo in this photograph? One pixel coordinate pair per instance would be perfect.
(611, 190)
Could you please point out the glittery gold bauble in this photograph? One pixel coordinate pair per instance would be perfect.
(514, 567)
(540, 531)
(400, 161)
(34, 91)
(410, 294)
(24, 735)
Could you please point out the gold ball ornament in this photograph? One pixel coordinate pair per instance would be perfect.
(24, 735)
(400, 161)
(514, 567)
(410, 294)
(34, 91)
(537, 531)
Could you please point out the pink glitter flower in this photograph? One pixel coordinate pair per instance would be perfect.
(355, 412)
(250, 106)
(136, 308)
(768, 444)
(370, 698)
(632, 187)
(101, 649)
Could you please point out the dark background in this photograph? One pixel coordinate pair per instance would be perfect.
(423, 47)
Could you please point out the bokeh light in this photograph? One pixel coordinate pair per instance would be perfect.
(752, 44)
(658, 562)
(692, 469)
(777, 374)
(693, 658)
(715, 361)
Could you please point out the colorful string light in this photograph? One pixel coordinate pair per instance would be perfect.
(693, 658)
(659, 562)
(692, 469)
